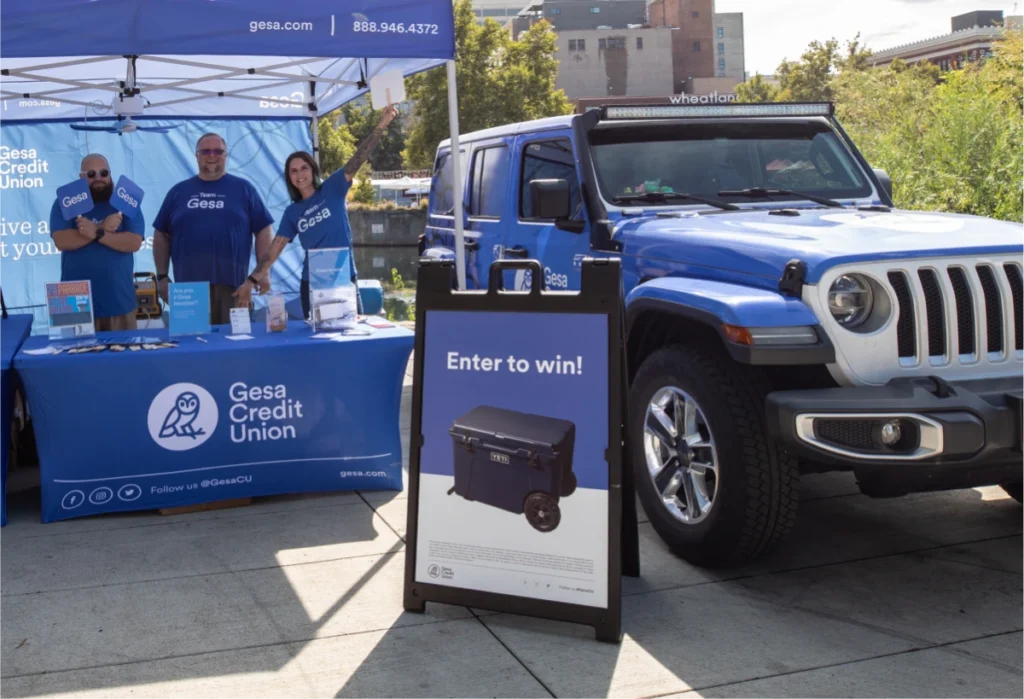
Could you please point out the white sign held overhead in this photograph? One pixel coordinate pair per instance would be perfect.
(387, 88)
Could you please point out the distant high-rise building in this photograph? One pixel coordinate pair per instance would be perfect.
(730, 61)
(581, 15)
(502, 11)
(705, 44)
(693, 44)
(614, 63)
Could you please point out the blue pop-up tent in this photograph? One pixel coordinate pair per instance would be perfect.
(133, 64)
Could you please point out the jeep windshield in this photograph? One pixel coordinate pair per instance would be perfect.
(707, 160)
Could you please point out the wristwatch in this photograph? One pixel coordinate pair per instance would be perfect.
(161, 277)
(100, 232)
(254, 280)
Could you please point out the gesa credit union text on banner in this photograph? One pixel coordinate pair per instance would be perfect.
(515, 491)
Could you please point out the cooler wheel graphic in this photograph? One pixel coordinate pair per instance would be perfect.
(518, 462)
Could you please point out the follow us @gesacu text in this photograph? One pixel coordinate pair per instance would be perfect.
(205, 483)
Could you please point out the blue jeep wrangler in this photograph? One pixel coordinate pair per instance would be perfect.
(782, 316)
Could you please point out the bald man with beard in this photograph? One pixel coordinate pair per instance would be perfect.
(99, 246)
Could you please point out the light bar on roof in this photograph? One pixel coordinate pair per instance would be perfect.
(734, 109)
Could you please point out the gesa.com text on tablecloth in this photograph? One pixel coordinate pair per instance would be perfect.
(571, 366)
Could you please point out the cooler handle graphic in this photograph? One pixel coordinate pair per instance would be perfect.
(470, 444)
(496, 282)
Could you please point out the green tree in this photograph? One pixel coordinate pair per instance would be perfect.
(810, 78)
(336, 144)
(361, 120)
(757, 89)
(1004, 71)
(362, 188)
(500, 81)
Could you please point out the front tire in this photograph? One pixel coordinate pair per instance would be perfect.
(715, 486)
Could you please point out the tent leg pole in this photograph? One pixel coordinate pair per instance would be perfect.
(314, 122)
(316, 139)
(453, 124)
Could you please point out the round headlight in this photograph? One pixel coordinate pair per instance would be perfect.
(850, 300)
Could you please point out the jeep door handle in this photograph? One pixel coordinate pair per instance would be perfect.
(517, 251)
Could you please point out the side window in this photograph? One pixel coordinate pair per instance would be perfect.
(488, 183)
(441, 188)
(549, 160)
(442, 201)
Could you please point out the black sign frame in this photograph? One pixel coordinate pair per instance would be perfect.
(600, 293)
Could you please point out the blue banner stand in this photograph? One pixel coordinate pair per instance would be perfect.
(522, 573)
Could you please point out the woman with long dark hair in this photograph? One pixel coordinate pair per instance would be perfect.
(318, 214)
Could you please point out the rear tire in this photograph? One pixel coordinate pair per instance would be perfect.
(755, 483)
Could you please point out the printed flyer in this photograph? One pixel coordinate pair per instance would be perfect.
(513, 491)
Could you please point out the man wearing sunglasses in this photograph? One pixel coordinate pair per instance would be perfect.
(99, 246)
(206, 226)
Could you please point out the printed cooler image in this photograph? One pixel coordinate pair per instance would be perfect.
(515, 461)
(513, 477)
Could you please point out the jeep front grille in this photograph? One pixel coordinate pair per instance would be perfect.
(941, 308)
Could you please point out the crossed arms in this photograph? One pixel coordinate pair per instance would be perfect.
(85, 232)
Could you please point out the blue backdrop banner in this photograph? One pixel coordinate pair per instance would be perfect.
(37, 158)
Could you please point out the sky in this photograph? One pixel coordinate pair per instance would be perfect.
(781, 29)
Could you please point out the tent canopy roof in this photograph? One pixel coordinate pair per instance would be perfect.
(78, 59)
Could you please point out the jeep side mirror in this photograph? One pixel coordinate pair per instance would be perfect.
(884, 180)
(549, 199)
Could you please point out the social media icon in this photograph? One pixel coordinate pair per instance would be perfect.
(72, 500)
(129, 492)
(101, 496)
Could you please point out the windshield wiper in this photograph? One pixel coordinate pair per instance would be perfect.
(662, 197)
(762, 192)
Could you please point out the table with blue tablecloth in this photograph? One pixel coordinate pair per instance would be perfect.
(13, 331)
(214, 418)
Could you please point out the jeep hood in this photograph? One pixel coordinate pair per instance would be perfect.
(759, 243)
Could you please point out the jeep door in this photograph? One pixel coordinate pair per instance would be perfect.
(439, 234)
(559, 246)
(487, 214)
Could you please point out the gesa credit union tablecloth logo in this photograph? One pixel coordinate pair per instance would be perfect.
(182, 417)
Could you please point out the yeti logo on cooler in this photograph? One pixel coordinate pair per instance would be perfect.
(500, 458)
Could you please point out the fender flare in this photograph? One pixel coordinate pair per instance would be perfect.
(715, 304)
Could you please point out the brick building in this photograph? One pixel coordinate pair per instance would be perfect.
(971, 40)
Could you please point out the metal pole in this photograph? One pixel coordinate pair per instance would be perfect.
(314, 122)
(453, 123)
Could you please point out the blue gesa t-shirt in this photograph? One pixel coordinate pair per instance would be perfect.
(211, 225)
(109, 271)
(320, 221)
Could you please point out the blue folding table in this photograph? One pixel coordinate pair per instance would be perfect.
(214, 418)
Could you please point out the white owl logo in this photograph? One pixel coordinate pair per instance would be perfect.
(178, 422)
(182, 416)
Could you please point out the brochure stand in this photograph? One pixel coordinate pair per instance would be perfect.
(332, 295)
(520, 492)
(69, 310)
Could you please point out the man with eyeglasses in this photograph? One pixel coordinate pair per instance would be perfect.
(206, 227)
(99, 246)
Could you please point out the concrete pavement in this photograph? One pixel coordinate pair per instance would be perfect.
(301, 596)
